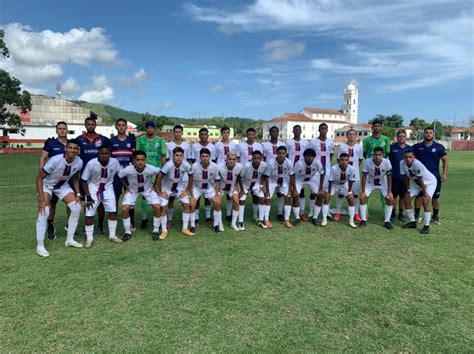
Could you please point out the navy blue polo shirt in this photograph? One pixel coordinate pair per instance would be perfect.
(54, 146)
(90, 148)
(395, 156)
(430, 155)
(123, 150)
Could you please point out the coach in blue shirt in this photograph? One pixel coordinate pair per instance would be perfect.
(429, 152)
(398, 181)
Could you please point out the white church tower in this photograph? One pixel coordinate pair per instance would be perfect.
(351, 102)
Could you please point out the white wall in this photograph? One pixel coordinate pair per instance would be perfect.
(44, 132)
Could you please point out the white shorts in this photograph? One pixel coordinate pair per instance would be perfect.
(312, 184)
(383, 188)
(283, 189)
(415, 189)
(207, 193)
(108, 200)
(151, 197)
(181, 189)
(61, 192)
(340, 189)
(256, 191)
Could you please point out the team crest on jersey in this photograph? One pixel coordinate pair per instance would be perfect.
(383, 143)
(129, 145)
(433, 149)
(98, 143)
(157, 145)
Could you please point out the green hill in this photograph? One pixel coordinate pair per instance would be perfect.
(110, 113)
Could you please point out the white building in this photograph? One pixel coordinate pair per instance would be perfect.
(310, 118)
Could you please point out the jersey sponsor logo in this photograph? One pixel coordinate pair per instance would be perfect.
(98, 143)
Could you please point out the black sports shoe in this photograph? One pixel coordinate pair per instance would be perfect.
(192, 229)
(280, 217)
(144, 224)
(425, 230)
(388, 225)
(297, 222)
(401, 218)
(51, 232)
(363, 223)
(228, 218)
(126, 237)
(410, 225)
(156, 236)
(435, 219)
(209, 220)
(314, 222)
(216, 229)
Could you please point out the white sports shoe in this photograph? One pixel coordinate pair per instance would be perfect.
(324, 222)
(352, 224)
(234, 227)
(73, 243)
(89, 243)
(242, 227)
(221, 227)
(41, 251)
(115, 239)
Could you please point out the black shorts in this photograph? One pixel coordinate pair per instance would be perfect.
(437, 192)
(399, 188)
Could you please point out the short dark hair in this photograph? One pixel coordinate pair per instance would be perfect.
(250, 130)
(377, 121)
(106, 146)
(177, 126)
(379, 148)
(297, 126)
(203, 130)
(274, 127)
(139, 153)
(73, 141)
(282, 147)
(121, 120)
(344, 154)
(409, 150)
(224, 128)
(257, 152)
(89, 118)
(309, 152)
(401, 131)
(61, 122)
(430, 127)
(351, 130)
(178, 149)
(322, 125)
(205, 151)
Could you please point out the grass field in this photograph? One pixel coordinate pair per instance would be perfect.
(308, 289)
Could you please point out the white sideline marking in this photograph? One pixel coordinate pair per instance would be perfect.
(18, 185)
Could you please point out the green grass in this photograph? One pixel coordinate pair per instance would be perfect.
(308, 289)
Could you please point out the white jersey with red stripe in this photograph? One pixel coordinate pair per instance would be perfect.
(196, 151)
(340, 177)
(280, 173)
(296, 149)
(251, 176)
(100, 177)
(377, 174)
(223, 150)
(229, 177)
(139, 182)
(324, 150)
(355, 152)
(205, 178)
(175, 176)
(270, 150)
(304, 173)
(59, 171)
(171, 145)
(245, 151)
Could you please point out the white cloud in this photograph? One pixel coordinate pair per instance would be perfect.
(70, 87)
(99, 92)
(260, 71)
(137, 79)
(218, 88)
(166, 106)
(282, 50)
(328, 97)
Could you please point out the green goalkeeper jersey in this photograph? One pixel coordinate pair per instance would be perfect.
(371, 143)
(154, 148)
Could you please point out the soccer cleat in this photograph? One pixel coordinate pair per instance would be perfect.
(209, 220)
(410, 225)
(89, 243)
(73, 243)
(216, 228)
(388, 225)
(280, 217)
(155, 236)
(324, 222)
(193, 229)
(352, 224)
(297, 222)
(241, 226)
(187, 233)
(315, 222)
(425, 230)
(169, 224)
(163, 235)
(357, 218)
(287, 224)
(221, 227)
(363, 223)
(435, 219)
(115, 239)
(126, 237)
(42, 252)
(144, 224)
(262, 225)
(268, 224)
(303, 217)
(234, 227)
(336, 217)
(51, 232)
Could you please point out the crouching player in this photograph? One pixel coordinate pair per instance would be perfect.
(377, 174)
(341, 180)
(137, 180)
(230, 176)
(420, 183)
(281, 176)
(175, 180)
(206, 179)
(98, 185)
(53, 179)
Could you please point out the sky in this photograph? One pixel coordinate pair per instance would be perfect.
(255, 58)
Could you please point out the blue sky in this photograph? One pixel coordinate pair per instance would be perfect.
(257, 58)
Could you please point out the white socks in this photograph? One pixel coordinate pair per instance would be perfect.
(241, 213)
(261, 212)
(410, 215)
(287, 209)
(267, 212)
(339, 202)
(235, 215)
(296, 212)
(112, 228)
(316, 211)
(356, 204)
(388, 212)
(164, 221)
(41, 225)
(351, 213)
(325, 211)
(228, 206)
(426, 218)
(192, 219)
(126, 226)
(363, 212)
(217, 218)
(89, 232)
(73, 220)
(280, 205)
(156, 223)
(185, 220)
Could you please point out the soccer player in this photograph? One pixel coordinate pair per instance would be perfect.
(296, 146)
(53, 147)
(90, 142)
(175, 180)
(230, 174)
(429, 153)
(281, 176)
(306, 173)
(397, 151)
(254, 179)
(269, 155)
(53, 179)
(421, 183)
(356, 155)
(342, 177)
(155, 149)
(137, 180)
(377, 174)
(97, 183)
(377, 139)
(206, 179)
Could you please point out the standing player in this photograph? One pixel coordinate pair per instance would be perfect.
(97, 183)
(155, 149)
(356, 155)
(377, 139)
(377, 174)
(397, 151)
(53, 179)
(269, 155)
(281, 176)
(253, 181)
(429, 153)
(420, 183)
(296, 146)
(231, 175)
(53, 147)
(137, 180)
(306, 173)
(342, 177)
(206, 179)
(175, 180)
